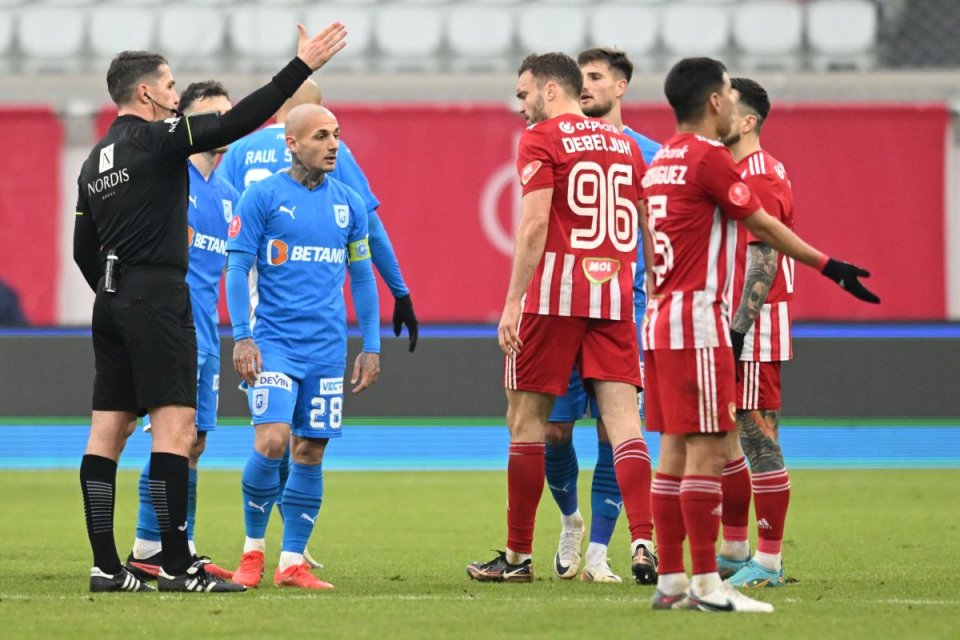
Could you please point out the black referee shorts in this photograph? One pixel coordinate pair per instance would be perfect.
(144, 342)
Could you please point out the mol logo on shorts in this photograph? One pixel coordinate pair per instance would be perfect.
(331, 386)
(261, 399)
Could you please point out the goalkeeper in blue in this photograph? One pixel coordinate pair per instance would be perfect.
(606, 75)
(304, 231)
(211, 202)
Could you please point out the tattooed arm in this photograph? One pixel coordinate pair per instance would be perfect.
(762, 263)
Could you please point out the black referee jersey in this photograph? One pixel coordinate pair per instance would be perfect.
(133, 187)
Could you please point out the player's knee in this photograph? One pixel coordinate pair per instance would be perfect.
(558, 433)
(198, 447)
(271, 441)
(308, 451)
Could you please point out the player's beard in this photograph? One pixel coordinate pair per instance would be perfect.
(598, 110)
(539, 111)
(731, 139)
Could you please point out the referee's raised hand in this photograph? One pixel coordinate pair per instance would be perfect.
(316, 51)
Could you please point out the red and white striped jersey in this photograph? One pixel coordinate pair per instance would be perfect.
(694, 195)
(769, 338)
(589, 258)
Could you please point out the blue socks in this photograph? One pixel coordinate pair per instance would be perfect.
(284, 474)
(301, 504)
(562, 471)
(605, 499)
(191, 502)
(260, 483)
(147, 526)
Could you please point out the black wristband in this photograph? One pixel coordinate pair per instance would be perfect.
(292, 76)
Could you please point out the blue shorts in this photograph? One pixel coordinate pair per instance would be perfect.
(309, 398)
(208, 393)
(573, 405)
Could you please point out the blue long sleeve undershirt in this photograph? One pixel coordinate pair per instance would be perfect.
(384, 257)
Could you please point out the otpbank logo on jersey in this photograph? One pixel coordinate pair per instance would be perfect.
(206, 242)
(279, 252)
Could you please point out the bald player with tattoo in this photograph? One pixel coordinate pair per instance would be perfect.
(760, 331)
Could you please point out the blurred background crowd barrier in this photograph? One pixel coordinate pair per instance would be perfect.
(864, 119)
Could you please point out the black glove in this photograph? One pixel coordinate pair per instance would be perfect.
(403, 315)
(845, 275)
(737, 339)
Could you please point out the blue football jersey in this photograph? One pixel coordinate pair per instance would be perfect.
(302, 240)
(648, 148)
(264, 153)
(209, 211)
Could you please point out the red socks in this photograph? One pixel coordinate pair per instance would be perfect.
(700, 500)
(631, 463)
(525, 473)
(668, 516)
(771, 491)
(736, 500)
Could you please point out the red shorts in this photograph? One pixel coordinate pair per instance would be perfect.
(553, 345)
(758, 386)
(689, 390)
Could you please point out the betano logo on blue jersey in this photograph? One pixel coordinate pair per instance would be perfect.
(206, 242)
(279, 252)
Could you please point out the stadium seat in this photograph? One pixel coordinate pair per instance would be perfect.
(551, 28)
(65, 3)
(695, 28)
(841, 32)
(480, 37)
(263, 37)
(190, 36)
(51, 37)
(114, 29)
(359, 29)
(6, 38)
(408, 37)
(633, 29)
(769, 33)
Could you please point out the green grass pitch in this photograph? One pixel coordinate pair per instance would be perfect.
(875, 555)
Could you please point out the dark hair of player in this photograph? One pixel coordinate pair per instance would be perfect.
(558, 67)
(688, 85)
(201, 91)
(616, 59)
(753, 96)
(128, 69)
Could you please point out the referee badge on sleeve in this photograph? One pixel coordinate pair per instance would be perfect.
(261, 399)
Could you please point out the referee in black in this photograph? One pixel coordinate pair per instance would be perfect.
(130, 242)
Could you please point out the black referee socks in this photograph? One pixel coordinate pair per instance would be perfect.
(98, 481)
(168, 489)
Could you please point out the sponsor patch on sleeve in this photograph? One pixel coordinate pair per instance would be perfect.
(739, 194)
(529, 171)
(359, 250)
(234, 229)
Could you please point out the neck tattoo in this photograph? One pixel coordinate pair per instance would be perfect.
(311, 179)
